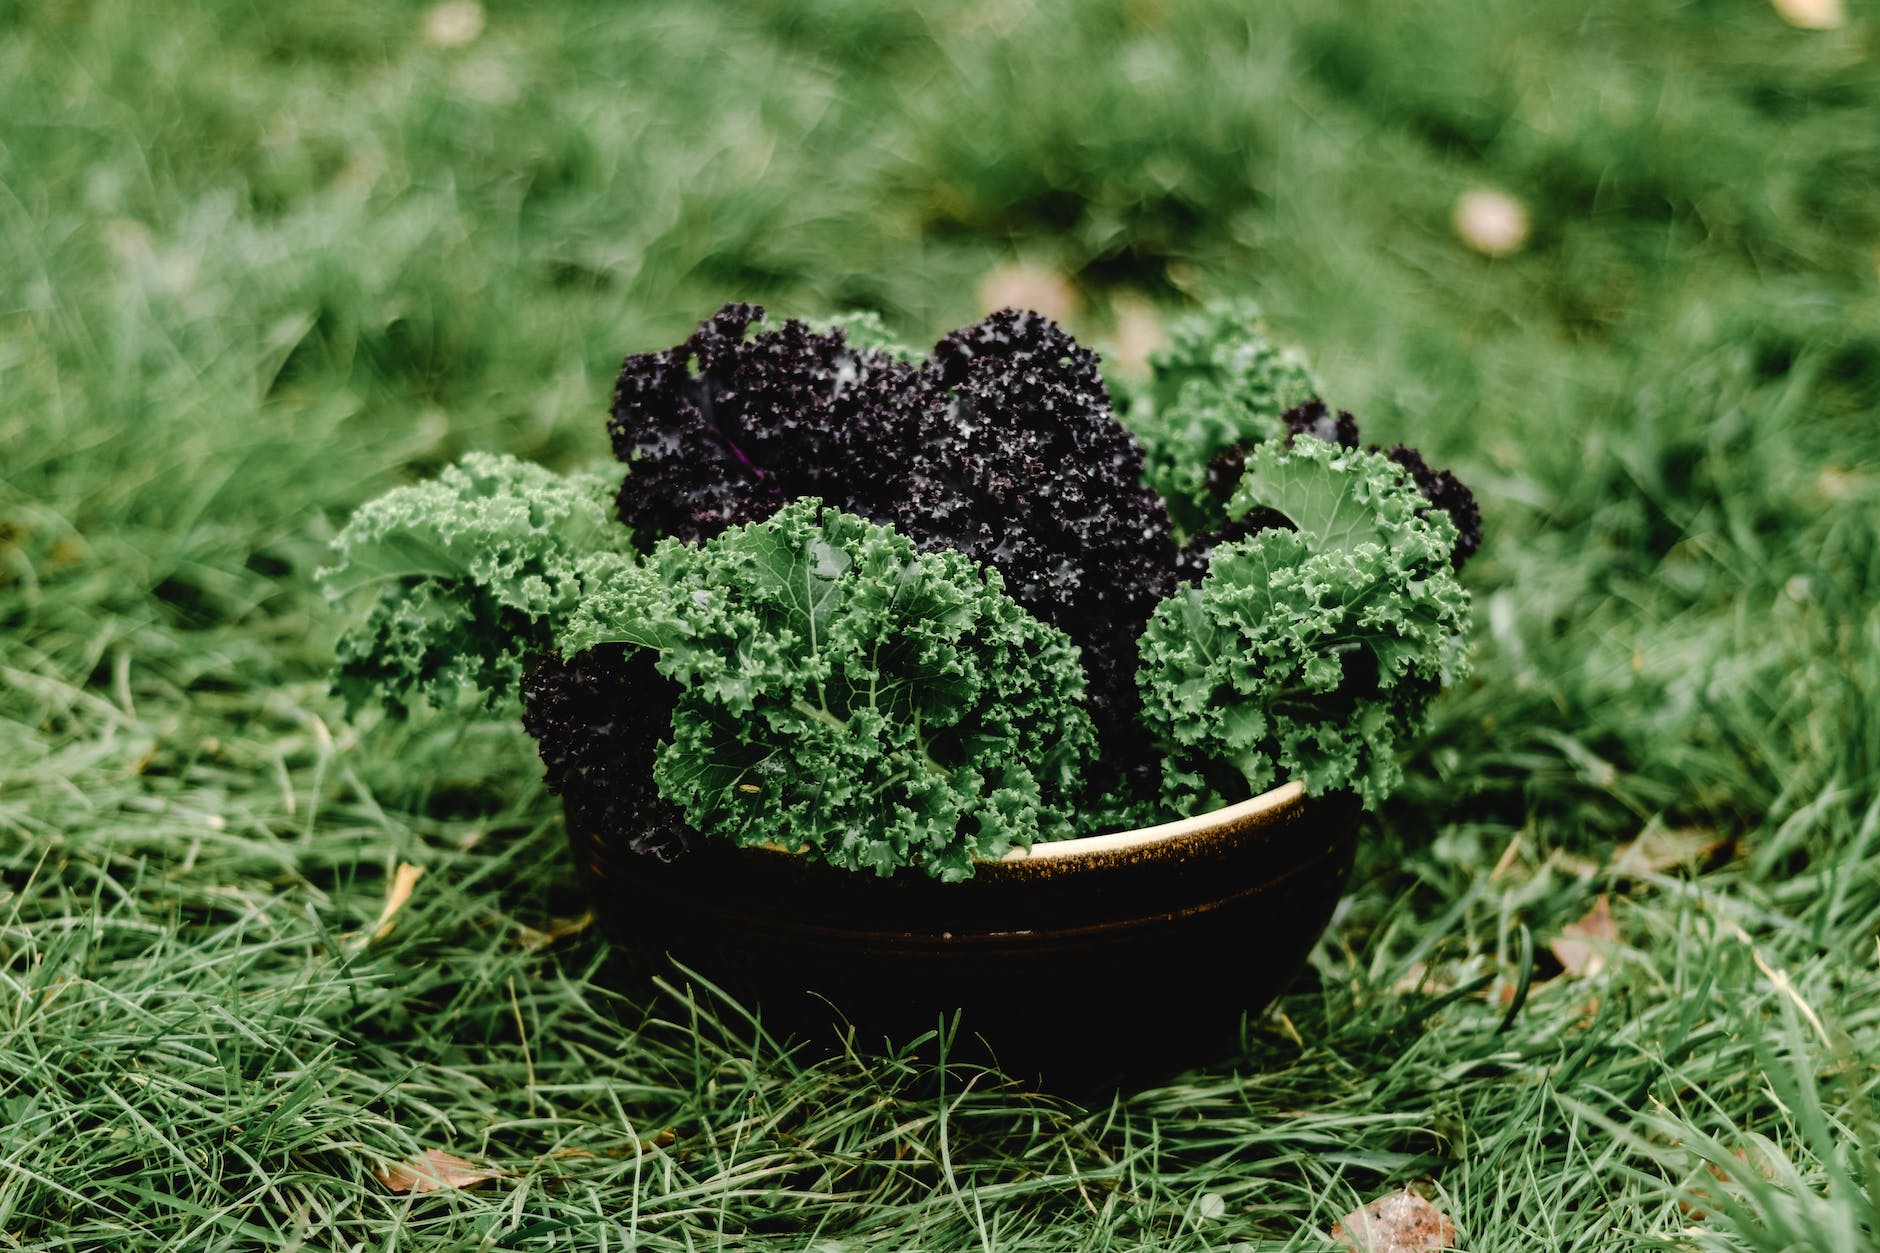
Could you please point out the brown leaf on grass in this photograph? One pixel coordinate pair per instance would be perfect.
(404, 879)
(1693, 1208)
(435, 1169)
(1402, 1222)
(557, 929)
(1654, 851)
(659, 1140)
(1581, 947)
(1421, 979)
(1657, 850)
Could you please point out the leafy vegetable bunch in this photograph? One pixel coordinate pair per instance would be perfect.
(911, 612)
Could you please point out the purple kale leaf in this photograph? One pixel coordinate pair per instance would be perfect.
(723, 430)
(1447, 493)
(1022, 465)
(1315, 419)
(597, 719)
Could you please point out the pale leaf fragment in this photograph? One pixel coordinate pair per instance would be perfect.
(1656, 851)
(404, 879)
(1402, 1222)
(1692, 1207)
(558, 929)
(1582, 946)
(1812, 14)
(1420, 979)
(435, 1169)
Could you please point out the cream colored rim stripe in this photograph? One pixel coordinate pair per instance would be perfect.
(1050, 850)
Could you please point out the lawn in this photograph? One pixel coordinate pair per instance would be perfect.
(260, 263)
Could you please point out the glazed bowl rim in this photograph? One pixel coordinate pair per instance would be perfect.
(1286, 794)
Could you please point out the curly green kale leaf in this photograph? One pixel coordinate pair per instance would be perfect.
(865, 331)
(470, 571)
(1221, 382)
(1312, 653)
(842, 693)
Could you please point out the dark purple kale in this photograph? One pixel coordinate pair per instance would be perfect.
(724, 430)
(1447, 493)
(597, 719)
(1023, 466)
(1224, 472)
(1314, 418)
(1002, 446)
(1192, 562)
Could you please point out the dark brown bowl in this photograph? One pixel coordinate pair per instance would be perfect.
(1122, 952)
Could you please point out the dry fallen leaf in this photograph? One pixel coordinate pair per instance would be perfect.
(660, 1139)
(1693, 1208)
(1813, 14)
(1656, 851)
(433, 1170)
(1402, 1222)
(1580, 949)
(1421, 979)
(1028, 285)
(404, 879)
(557, 929)
(1491, 222)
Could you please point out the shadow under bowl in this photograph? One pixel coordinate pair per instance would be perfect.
(1124, 954)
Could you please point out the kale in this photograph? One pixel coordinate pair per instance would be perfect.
(895, 604)
(1002, 446)
(471, 570)
(1024, 467)
(842, 693)
(866, 332)
(1443, 491)
(597, 719)
(723, 430)
(1309, 653)
(1222, 382)
(1314, 418)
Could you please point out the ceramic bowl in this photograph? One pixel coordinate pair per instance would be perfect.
(1118, 952)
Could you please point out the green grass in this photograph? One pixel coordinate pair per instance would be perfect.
(257, 264)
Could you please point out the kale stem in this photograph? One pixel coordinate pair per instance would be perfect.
(820, 714)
